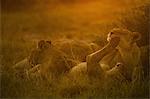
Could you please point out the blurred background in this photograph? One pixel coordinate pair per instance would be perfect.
(24, 22)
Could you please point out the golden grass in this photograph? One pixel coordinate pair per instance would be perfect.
(21, 31)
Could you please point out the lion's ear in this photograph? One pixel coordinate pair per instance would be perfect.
(40, 44)
(136, 36)
(49, 42)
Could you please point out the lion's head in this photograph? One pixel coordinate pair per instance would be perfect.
(127, 38)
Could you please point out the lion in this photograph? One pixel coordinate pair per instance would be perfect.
(35, 58)
(121, 42)
(51, 62)
(92, 68)
(129, 51)
(66, 53)
(129, 55)
(61, 56)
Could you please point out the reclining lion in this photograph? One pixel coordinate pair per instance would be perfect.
(129, 55)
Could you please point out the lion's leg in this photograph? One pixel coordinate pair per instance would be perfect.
(33, 71)
(93, 60)
(93, 68)
(107, 60)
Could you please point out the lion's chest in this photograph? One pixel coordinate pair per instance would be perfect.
(130, 57)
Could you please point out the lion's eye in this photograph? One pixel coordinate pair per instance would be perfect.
(111, 33)
(118, 65)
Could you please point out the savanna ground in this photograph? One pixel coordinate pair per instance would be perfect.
(23, 23)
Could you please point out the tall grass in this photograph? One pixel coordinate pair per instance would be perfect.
(137, 19)
(66, 88)
(18, 39)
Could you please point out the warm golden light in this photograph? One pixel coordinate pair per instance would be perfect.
(86, 49)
